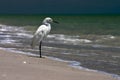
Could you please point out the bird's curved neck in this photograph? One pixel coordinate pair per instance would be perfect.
(47, 24)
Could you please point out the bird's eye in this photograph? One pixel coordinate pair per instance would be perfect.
(50, 20)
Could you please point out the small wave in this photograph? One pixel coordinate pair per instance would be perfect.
(109, 37)
(8, 41)
(69, 39)
(65, 53)
(24, 35)
(10, 28)
(12, 34)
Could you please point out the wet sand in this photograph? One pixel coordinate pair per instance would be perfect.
(15, 66)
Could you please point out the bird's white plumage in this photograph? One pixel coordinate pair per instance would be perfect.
(42, 31)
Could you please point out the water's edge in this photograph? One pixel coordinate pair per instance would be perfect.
(73, 64)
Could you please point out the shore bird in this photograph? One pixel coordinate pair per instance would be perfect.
(42, 32)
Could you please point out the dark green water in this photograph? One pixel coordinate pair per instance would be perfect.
(70, 24)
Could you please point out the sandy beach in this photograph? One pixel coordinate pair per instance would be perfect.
(15, 66)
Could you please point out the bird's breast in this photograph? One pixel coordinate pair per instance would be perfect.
(48, 28)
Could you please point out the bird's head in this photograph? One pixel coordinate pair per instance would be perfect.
(49, 20)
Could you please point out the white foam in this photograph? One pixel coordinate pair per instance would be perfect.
(69, 39)
(24, 35)
(7, 41)
(12, 31)
(10, 28)
(6, 36)
(112, 37)
(65, 53)
(107, 37)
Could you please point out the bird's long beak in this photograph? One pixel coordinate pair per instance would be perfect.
(56, 22)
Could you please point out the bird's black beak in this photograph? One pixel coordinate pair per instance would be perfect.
(56, 22)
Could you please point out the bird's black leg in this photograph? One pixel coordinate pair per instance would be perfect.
(40, 49)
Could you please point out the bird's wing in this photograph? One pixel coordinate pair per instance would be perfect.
(33, 41)
(38, 36)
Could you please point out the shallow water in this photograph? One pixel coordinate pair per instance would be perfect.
(85, 51)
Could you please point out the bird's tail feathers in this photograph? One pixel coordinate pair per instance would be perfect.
(33, 42)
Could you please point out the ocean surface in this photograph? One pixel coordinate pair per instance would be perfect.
(88, 41)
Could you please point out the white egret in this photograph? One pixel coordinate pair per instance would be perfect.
(42, 32)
